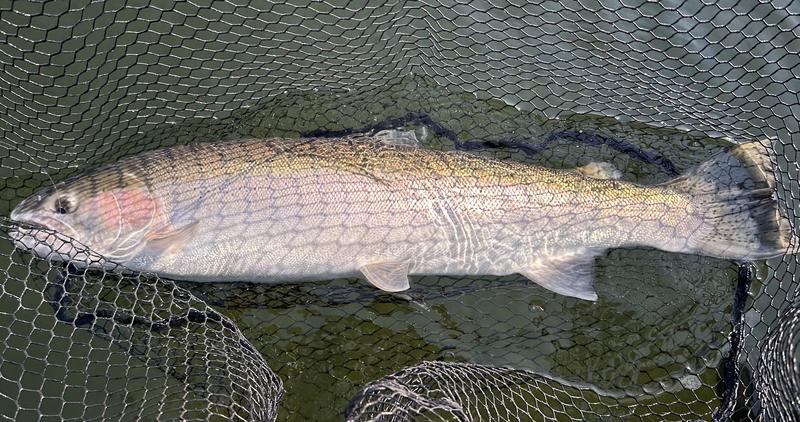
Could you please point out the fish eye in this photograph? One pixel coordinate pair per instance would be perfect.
(64, 205)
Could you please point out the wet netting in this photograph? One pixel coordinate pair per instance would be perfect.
(654, 89)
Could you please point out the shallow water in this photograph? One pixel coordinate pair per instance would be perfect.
(660, 325)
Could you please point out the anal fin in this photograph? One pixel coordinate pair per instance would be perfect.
(389, 276)
(568, 274)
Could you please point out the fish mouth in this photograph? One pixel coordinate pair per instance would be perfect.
(46, 241)
(26, 234)
(28, 225)
(37, 227)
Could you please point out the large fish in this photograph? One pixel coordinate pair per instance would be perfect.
(270, 210)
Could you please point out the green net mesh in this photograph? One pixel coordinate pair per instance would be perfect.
(652, 88)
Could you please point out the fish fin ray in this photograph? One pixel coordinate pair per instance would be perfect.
(567, 274)
(169, 240)
(733, 195)
(389, 276)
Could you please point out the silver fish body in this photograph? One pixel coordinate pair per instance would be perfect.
(304, 209)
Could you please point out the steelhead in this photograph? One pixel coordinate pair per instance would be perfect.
(272, 210)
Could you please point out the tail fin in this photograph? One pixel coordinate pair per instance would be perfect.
(734, 196)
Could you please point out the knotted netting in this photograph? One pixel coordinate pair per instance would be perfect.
(653, 88)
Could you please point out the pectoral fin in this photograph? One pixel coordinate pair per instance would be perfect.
(567, 274)
(389, 276)
(165, 241)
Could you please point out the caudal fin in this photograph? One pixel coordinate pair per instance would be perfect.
(733, 194)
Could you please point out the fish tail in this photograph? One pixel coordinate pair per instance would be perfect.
(733, 195)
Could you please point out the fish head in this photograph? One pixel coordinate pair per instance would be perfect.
(106, 216)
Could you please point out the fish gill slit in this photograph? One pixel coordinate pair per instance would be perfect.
(122, 252)
(127, 246)
(119, 220)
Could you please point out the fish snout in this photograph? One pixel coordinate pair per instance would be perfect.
(22, 217)
(16, 213)
(27, 205)
(29, 221)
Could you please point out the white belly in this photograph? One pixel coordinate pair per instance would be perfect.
(302, 231)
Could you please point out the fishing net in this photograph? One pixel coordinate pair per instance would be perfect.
(653, 89)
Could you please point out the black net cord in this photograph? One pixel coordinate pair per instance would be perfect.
(527, 146)
(60, 301)
(730, 374)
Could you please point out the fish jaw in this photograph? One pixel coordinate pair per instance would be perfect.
(50, 245)
(48, 238)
